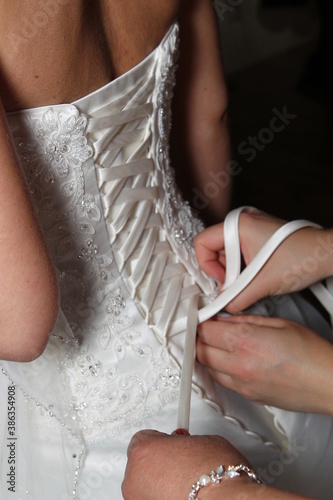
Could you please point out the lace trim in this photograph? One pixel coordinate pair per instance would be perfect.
(115, 368)
(56, 150)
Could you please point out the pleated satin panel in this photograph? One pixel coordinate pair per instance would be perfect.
(148, 223)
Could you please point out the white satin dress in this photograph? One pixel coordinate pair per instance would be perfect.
(121, 237)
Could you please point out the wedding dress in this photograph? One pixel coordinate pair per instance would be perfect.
(121, 237)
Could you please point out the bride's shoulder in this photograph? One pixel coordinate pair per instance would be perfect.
(132, 30)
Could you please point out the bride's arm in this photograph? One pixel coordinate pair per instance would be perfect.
(28, 291)
(200, 146)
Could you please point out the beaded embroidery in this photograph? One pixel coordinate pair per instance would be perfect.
(179, 215)
(101, 390)
(58, 146)
(117, 370)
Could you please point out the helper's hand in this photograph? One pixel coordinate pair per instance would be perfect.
(271, 361)
(303, 258)
(165, 467)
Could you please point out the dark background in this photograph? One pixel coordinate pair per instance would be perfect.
(288, 173)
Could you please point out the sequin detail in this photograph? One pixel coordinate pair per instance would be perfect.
(58, 145)
(179, 215)
(121, 237)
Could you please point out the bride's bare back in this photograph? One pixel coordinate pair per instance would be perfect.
(54, 51)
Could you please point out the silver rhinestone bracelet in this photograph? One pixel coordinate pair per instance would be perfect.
(216, 477)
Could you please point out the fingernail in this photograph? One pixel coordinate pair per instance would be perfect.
(224, 317)
(181, 432)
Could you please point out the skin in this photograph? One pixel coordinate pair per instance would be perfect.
(151, 474)
(200, 148)
(48, 67)
(56, 52)
(269, 360)
(288, 270)
(114, 36)
(26, 318)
